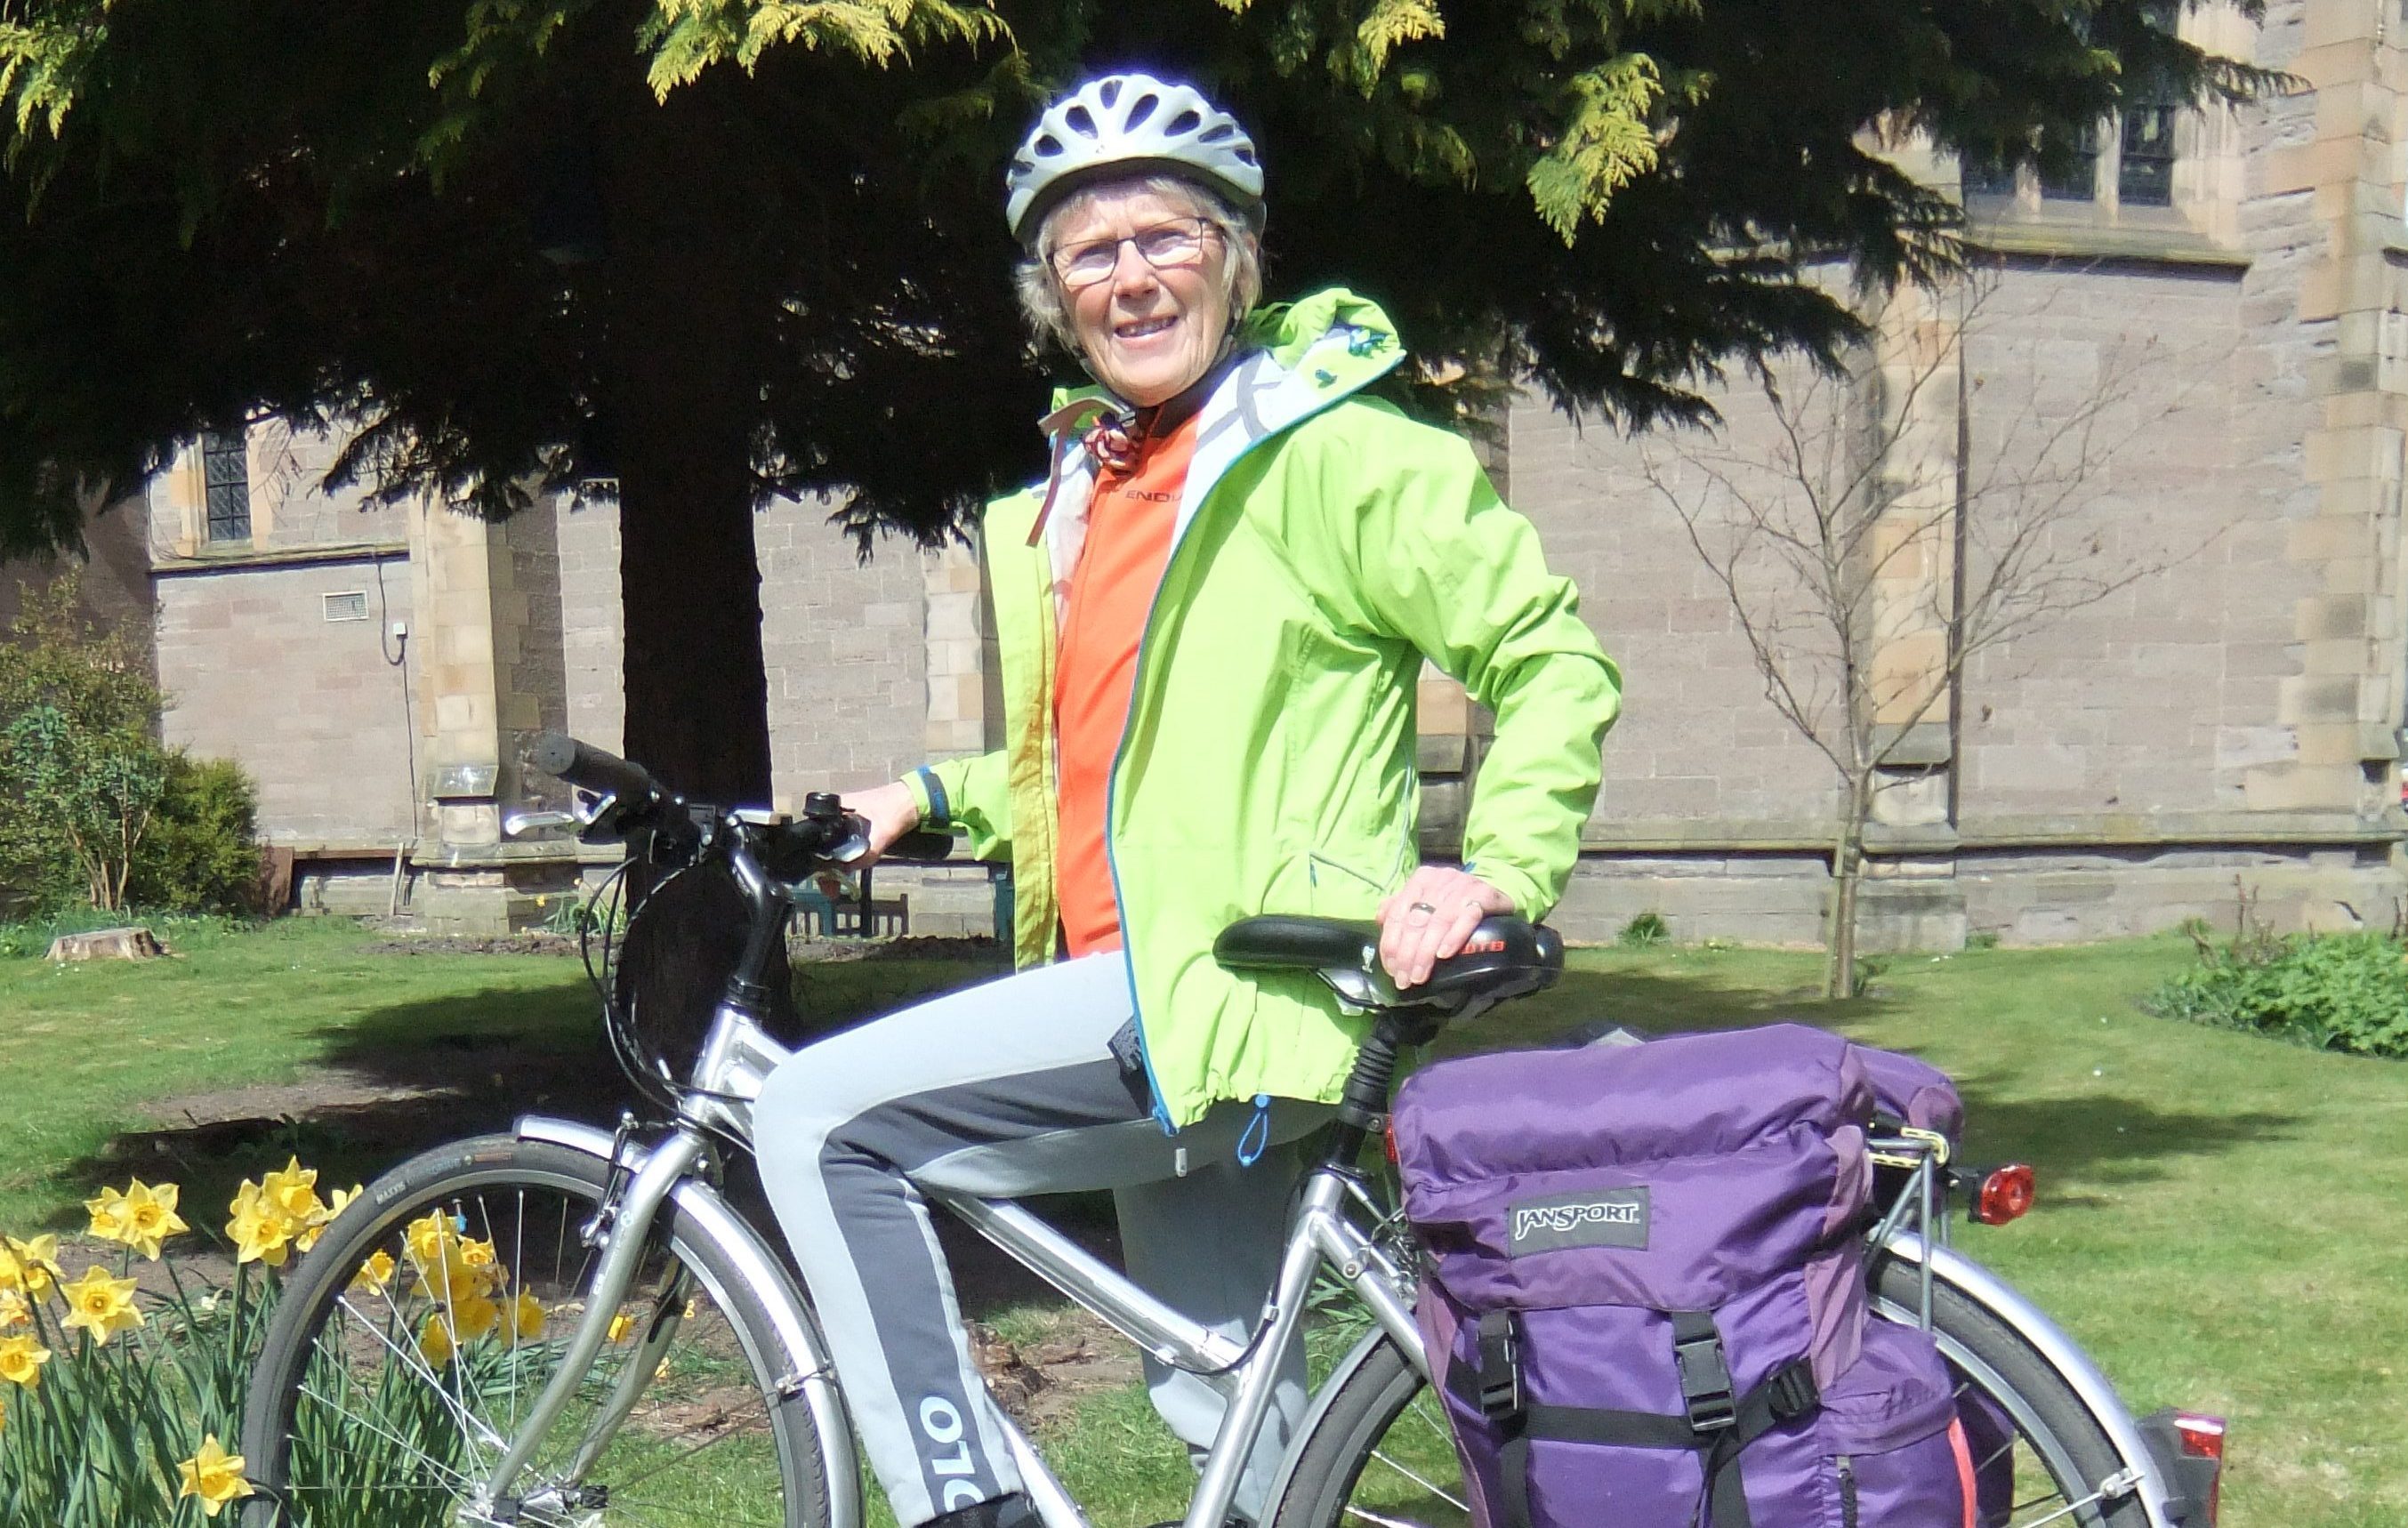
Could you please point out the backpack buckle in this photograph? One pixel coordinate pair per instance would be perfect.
(1500, 1365)
(1790, 1391)
(1705, 1377)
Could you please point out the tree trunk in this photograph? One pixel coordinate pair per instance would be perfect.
(680, 397)
(696, 689)
(1847, 871)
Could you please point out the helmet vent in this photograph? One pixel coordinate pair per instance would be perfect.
(1186, 122)
(1140, 111)
(1244, 152)
(1217, 132)
(1049, 145)
(1079, 121)
(1109, 93)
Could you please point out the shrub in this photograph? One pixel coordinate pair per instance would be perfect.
(79, 771)
(202, 851)
(2336, 992)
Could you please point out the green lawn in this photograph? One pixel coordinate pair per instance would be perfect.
(2219, 1216)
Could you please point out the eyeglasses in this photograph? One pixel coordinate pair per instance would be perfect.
(1165, 245)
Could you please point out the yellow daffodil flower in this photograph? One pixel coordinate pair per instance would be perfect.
(100, 1304)
(214, 1475)
(435, 1340)
(260, 1231)
(107, 1211)
(526, 1317)
(620, 1325)
(30, 1268)
(147, 1217)
(20, 1361)
(294, 1189)
(473, 1317)
(375, 1275)
(13, 1309)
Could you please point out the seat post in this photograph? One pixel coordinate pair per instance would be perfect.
(1363, 1106)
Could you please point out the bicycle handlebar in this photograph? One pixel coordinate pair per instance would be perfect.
(589, 768)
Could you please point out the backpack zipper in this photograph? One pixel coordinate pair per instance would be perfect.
(1847, 1468)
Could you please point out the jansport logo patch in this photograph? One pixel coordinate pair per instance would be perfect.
(1591, 1218)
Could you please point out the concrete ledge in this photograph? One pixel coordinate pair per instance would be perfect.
(250, 557)
(2070, 239)
(2110, 830)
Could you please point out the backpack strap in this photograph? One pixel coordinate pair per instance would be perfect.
(1716, 1424)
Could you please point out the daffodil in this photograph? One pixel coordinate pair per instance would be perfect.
(620, 1325)
(30, 1268)
(13, 1309)
(375, 1276)
(293, 1188)
(473, 1316)
(260, 1230)
(100, 1304)
(146, 1217)
(435, 1340)
(20, 1361)
(214, 1475)
(526, 1317)
(107, 1211)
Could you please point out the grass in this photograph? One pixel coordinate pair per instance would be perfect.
(2219, 1220)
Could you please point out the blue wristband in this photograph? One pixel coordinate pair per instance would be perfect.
(940, 811)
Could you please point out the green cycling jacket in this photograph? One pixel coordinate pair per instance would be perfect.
(1324, 545)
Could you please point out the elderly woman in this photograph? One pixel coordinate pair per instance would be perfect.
(1212, 618)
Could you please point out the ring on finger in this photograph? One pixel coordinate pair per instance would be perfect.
(1421, 907)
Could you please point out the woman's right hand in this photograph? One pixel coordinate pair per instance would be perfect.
(890, 811)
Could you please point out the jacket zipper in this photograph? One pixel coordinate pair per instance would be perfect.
(1120, 752)
(1847, 1468)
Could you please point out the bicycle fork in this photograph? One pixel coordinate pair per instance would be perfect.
(622, 1230)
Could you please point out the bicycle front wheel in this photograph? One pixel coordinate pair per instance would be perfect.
(413, 1341)
(1381, 1454)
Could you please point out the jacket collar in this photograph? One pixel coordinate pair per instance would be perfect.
(1303, 357)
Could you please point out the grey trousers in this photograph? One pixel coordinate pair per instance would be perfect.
(1007, 1090)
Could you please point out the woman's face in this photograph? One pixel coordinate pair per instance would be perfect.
(1147, 330)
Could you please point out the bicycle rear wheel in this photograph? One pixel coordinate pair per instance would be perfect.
(1381, 1454)
(412, 1342)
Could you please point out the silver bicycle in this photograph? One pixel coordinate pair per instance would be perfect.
(568, 1327)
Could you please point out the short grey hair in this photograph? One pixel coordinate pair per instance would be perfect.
(1042, 300)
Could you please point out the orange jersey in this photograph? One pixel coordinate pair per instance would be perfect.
(1112, 592)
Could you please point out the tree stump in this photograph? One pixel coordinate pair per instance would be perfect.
(108, 944)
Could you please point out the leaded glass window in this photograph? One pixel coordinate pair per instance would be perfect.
(225, 468)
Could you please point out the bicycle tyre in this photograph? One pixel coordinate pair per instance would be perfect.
(324, 1341)
(1384, 1414)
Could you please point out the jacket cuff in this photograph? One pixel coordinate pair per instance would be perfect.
(936, 810)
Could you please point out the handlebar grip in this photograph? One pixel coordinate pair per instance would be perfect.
(922, 847)
(589, 768)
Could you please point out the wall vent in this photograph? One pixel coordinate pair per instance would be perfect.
(352, 605)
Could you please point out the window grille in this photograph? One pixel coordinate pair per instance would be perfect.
(2145, 176)
(226, 471)
(351, 605)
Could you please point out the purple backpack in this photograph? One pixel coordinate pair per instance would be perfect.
(1644, 1300)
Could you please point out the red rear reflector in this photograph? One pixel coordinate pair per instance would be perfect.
(2202, 1438)
(1388, 1139)
(2006, 1194)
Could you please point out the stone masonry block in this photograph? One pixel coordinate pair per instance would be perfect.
(2321, 698)
(2327, 616)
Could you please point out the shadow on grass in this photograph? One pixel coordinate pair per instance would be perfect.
(414, 1075)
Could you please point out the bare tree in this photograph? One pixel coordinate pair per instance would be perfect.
(1868, 556)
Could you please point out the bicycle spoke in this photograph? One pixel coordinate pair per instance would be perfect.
(1421, 1480)
(458, 1481)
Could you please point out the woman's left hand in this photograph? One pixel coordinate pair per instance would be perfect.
(1429, 916)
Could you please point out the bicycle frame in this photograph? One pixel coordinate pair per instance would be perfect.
(735, 1058)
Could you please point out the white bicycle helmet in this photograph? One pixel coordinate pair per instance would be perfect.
(1125, 123)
